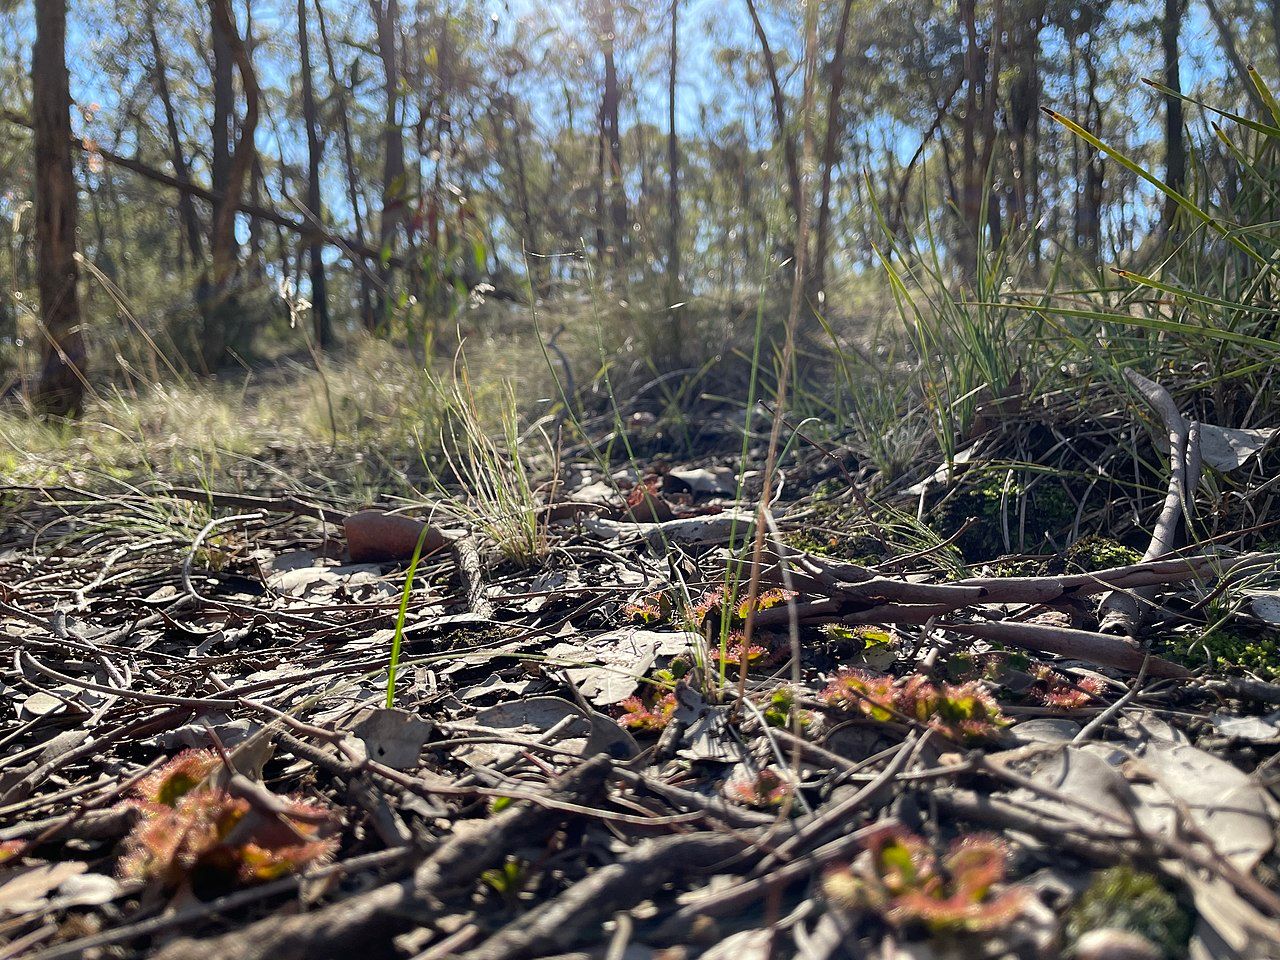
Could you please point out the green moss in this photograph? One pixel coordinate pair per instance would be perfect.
(1127, 899)
(1028, 567)
(981, 501)
(1096, 552)
(1250, 649)
(1049, 511)
(837, 530)
(855, 549)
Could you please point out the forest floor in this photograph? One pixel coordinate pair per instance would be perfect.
(600, 736)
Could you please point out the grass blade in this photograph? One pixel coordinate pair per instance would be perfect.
(404, 607)
(1136, 168)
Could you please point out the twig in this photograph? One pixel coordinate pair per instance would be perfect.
(1124, 611)
(1106, 716)
(556, 925)
(283, 504)
(471, 575)
(189, 559)
(1100, 648)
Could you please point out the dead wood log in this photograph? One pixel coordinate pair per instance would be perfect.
(866, 594)
(915, 602)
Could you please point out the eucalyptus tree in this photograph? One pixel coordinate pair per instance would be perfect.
(315, 205)
(234, 152)
(60, 389)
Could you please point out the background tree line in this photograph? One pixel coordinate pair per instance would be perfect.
(168, 167)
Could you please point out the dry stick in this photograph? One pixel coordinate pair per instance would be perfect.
(1058, 834)
(187, 585)
(1124, 612)
(964, 593)
(471, 575)
(619, 886)
(451, 944)
(869, 797)
(283, 504)
(90, 825)
(1106, 716)
(1100, 648)
(734, 816)
(365, 924)
(1245, 689)
(677, 927)
(232, 901)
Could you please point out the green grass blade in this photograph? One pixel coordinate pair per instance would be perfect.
(1265, 92)
(1147, 323)
(1192, 295)
(1136, 168)
(1256, 125)
(404, 608)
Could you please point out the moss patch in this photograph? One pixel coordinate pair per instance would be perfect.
(1244, 647)
(1099, 553)
(1127, 899)
(1049, 511)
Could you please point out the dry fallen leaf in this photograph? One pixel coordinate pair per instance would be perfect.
(393, 737)
(28, 888)
(1227, 448)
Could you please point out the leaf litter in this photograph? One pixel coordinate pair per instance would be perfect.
(198, 760)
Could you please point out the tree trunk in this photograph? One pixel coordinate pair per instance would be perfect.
(601, 216)
(1023, 118)
(835, 91)
(1089, 211)
(1175, 149)
(232, 165)
(611, 135)
(970, 199)
(186, 206)
(349, 161)
(673, 170)
(780, 118)
(386, 15)
(991, 91)
(223, 107)
(1231, 48)
(255, 266)
(60, 390)
(315, 148)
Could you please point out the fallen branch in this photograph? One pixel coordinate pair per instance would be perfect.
(1123, 612)
(308, 229)
(882, 600)
(1099, 648)
(466, 558)
(257, 211)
